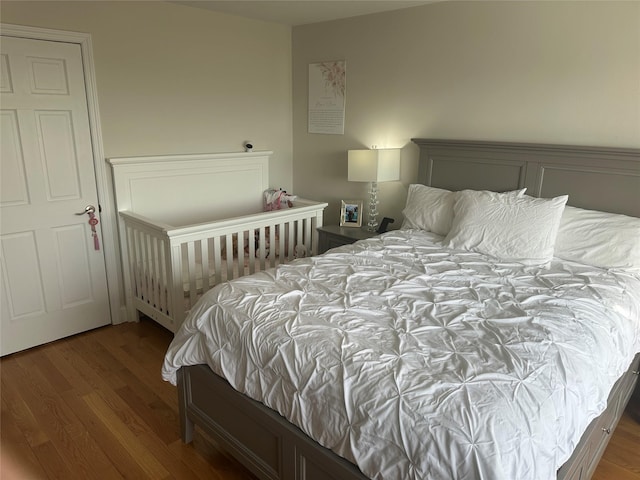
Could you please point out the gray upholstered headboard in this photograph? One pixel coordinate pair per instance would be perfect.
(598, 178)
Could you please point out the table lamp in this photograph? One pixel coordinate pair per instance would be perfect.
(373, 166)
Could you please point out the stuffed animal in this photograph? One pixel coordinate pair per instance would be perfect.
(277, 199)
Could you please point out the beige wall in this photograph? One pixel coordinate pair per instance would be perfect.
(552, 72)
(177, 79)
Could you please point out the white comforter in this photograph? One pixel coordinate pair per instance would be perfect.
(417, 362)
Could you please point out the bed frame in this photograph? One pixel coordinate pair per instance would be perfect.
(606, 179)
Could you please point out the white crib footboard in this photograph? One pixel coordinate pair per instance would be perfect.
(147, 259)
(170, 268)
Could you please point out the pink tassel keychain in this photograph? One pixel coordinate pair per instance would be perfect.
(93, 221)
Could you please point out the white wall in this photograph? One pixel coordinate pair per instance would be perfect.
(551, 72)
(177, 79)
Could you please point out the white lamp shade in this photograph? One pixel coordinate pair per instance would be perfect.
(381, 165)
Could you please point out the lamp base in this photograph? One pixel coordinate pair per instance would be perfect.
(372, 223)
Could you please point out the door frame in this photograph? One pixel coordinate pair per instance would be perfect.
(108, 216)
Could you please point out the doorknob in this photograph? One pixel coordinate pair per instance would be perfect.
(93, 221)
(89, 209)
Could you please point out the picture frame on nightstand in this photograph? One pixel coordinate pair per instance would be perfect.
(351, 213)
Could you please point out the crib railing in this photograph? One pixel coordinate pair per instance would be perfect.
(170, 268)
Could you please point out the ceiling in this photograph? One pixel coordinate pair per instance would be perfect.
(301, 12)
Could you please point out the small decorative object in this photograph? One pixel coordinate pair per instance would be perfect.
(374, 166)
(248, 146)
(351, 213)
(277, 200)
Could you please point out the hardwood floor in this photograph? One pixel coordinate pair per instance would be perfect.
(93, 406)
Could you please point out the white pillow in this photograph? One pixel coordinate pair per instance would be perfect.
(513, 228)
(601, 239)
(431, 209)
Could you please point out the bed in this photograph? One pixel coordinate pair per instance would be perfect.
(190, 222)
(419, 359)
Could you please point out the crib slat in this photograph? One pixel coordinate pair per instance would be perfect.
(240, 259)
(148, 261)
(316, 222)
(307, 236)
(131, 251)
(212, 263)
(157, 275)
(139, 266)
(291, 241)
(261, 247)
(271, 252)
(148, 274)
(146, 285)
(217, 259)
(299, 240)
(252, 250)
(197, 258)
(281, 238)
(177, 310)
(143, 267)
(204, 254)
(153, 275)
(152, 282)
(164, 279)
(230, 252)
(133, 286)
(191, 273)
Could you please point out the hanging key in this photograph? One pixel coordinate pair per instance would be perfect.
(93, 221)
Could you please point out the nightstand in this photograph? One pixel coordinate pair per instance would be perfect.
(331, 236)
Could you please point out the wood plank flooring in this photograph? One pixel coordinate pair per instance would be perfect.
(93, 406)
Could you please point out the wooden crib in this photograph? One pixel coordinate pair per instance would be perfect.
(189, 222)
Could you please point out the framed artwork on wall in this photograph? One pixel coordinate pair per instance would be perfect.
(327, 89)
(351, 213)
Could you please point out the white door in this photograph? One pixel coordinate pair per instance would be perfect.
(53, 280)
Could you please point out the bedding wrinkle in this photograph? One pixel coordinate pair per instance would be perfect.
(416, 361)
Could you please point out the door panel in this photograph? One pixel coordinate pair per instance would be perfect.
(5, 76)
(54, 130)
(74, 279)
(21, 273)
(13, 183)
(53, 279)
